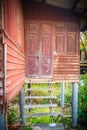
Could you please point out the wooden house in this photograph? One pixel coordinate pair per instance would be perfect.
(52, 44)
(39, 43)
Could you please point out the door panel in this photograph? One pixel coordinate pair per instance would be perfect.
(46, 66)
(33, 66)
(46, 45)
(60, 43)
(71, 43)
(32, 44)
(39, 49)
(45, 28)
(32, 48)
(72, 38)
(46, 55)
(32, 27)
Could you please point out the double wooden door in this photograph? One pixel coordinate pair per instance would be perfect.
(38, 49)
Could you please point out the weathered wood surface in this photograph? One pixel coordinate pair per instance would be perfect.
(65, 40)
(14, 38)
(66, 68)
(1, 73)
(38, 11)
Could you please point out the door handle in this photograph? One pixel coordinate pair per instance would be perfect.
(38, 57)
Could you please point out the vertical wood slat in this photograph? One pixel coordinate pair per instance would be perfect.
(1, 75)
(1, 68)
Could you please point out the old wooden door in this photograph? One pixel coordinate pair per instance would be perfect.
(39, 49)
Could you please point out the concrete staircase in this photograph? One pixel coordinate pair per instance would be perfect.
(30, 98)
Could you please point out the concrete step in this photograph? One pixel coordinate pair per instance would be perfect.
(48, 127)
(40, 106)
(44, 114)
(41, 97)
(39, 89)
(37, 128)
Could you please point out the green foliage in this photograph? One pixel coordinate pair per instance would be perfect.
(14, 117)
(82, 104)
(83, 41)
(82, 119)
(13, 114)
(26, 127)
(65, 121)
(16, 100)
(68, 95)
(68, 98)
(40, 120)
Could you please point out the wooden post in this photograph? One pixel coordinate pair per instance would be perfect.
(22, 103)
(74, 104)
(2, 122)
(29, 94)
(62, 95)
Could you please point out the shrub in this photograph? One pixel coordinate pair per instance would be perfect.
(13, 114)
(82, 102)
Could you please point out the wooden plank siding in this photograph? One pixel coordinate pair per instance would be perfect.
(66, 68)
(14, 38)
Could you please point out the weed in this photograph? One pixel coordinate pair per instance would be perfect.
(13, 114)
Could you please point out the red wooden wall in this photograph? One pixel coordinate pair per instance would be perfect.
(65, 27)
(1, 73)
(14, 38)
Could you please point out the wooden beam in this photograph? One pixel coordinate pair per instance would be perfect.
(75, 3)
(83, 12)
(83, 28)
(44, 1)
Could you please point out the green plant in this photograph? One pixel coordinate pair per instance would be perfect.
(66, 122)
(16, 100)
(13, 114)
(26, 127)
(68, 97)
(82, 103)
(40, 120)
(83, 40)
